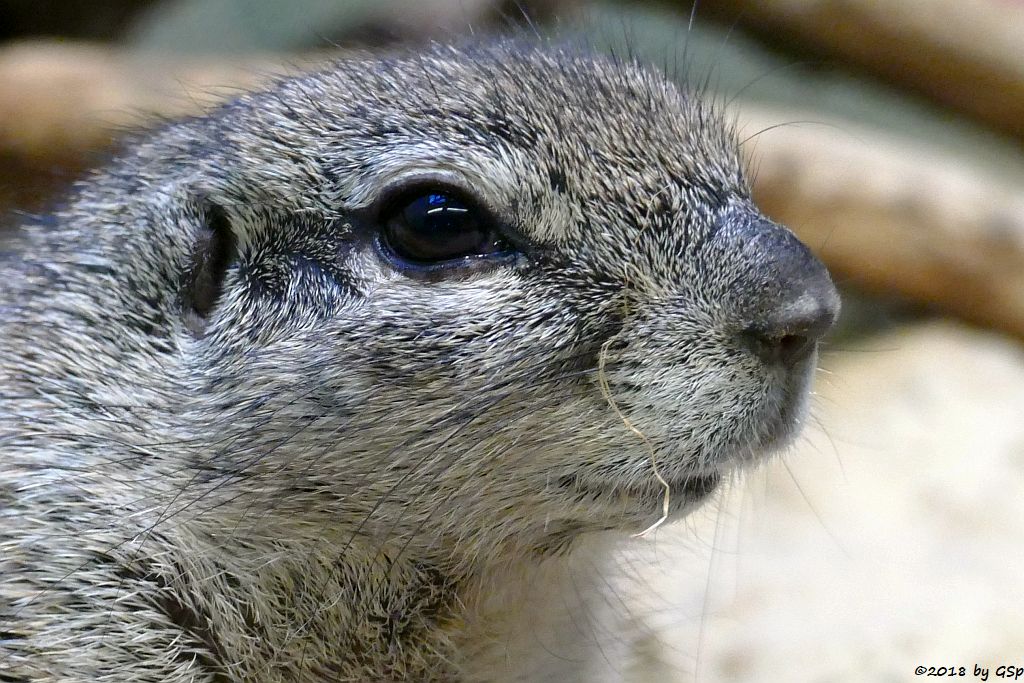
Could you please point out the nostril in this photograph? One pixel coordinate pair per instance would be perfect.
(791, 335)
(795, 347)
(773, 348)
(789, 301)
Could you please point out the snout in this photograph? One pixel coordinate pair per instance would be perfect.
(789, 302)
(788, 332)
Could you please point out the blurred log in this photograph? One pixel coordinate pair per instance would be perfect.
(63, 105)
(967, 54)
(60, 101)
(895, 217)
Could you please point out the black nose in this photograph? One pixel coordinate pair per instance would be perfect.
(791, 333)
(795, 303)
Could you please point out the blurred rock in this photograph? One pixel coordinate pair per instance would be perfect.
(891, 537)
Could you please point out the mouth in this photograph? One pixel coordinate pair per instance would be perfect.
(684, 492)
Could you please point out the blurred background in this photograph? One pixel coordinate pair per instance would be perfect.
(888, 135)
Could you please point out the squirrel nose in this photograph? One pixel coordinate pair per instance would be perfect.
(794, 302)
(790, 333)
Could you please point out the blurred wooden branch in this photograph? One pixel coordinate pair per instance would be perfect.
(60, 101)
(894, 216)
(967, 55)
(889, 215)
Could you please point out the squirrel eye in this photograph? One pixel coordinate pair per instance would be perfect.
(432, 227)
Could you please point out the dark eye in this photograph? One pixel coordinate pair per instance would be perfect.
(438, 226)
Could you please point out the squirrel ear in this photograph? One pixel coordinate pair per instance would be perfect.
(214, 250)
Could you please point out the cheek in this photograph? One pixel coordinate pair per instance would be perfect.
(695, 393)
(707, 388)
(457, 342)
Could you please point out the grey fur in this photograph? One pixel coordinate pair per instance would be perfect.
(331, 474)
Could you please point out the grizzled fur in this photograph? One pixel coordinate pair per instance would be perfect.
(237, 443)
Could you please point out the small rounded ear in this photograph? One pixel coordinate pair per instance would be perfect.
(214, 250)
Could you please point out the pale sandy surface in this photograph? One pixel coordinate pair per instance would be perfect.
(893, 537)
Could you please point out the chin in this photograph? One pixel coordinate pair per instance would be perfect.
(635, 505)
(794, 407)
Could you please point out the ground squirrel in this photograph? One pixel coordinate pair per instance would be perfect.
(318, 386)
